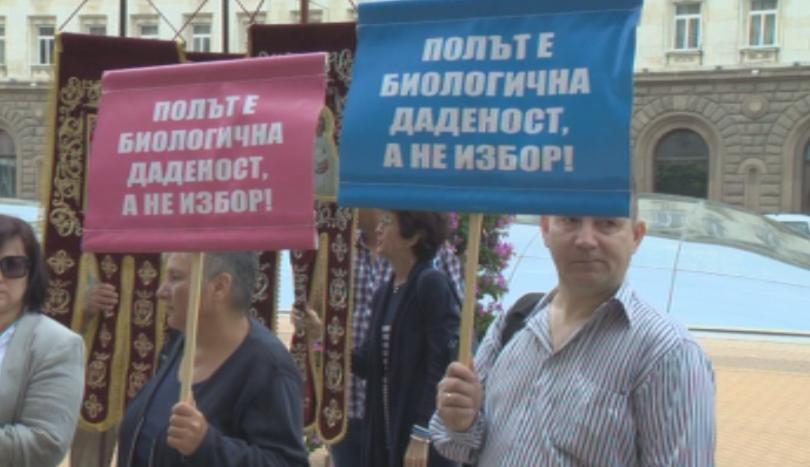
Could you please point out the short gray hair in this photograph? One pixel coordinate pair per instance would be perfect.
(243, 266)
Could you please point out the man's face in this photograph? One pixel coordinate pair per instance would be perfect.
(174, 289)
(591, 253)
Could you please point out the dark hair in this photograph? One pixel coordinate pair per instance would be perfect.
(35, 292)
(243, 266)
(431, 225)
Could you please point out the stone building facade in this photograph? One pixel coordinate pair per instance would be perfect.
(722, 100)
(27, 30)
(722, 105)
(756, 127)
(23, 139)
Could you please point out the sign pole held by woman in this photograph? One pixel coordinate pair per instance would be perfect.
(192, 317)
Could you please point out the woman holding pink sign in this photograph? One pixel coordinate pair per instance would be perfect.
(247, 407)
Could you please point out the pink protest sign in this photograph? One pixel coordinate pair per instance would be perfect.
(206, 157)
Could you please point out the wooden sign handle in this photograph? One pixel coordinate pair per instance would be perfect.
(192, 314)
(470, 283)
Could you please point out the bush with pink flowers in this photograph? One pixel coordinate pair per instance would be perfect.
(493, 258)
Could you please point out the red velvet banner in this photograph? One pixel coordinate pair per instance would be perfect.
(326, 388)
(122, 345)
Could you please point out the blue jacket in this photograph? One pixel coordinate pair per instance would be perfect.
(424, 340)
(252, 402)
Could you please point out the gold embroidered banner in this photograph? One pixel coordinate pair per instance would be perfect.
(303, 266)
(326, 387)
(122, 345)
(323, 279)
(265, 304)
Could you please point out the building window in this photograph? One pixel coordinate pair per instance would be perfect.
(762, 23)
(682, 164)
(8, 166)
(806, 179)
(45, 44)
(244, 26)
(201, 37)
(2, 42)
(148, 31)
(315, 16)
(95, 25)
(687, 26)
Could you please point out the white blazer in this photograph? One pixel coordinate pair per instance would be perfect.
(41, 386)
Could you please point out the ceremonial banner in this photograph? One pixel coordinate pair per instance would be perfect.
(325, 388)
(508, 106)
(265, 297)
(123, 344)
(206, 157)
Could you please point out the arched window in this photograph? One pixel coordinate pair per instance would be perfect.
(806, 179)
(682, 164)
(8, 166)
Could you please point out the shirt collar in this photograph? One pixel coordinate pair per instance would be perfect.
(623, 299)
(360, 239)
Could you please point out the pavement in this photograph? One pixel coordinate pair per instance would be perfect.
(763, 401)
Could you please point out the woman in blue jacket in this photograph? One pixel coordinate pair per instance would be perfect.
(412, 338)
(247, 407)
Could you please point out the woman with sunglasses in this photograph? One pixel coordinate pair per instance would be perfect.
(41, 361)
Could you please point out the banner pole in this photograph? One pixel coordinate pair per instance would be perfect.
(470, 285)
(192, 314)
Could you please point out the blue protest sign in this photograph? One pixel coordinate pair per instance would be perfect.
(484, 106)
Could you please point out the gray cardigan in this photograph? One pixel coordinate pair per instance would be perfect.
(41, 386)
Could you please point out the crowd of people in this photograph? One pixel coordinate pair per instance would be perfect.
(591, 375)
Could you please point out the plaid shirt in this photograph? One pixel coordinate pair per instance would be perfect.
(369, 273)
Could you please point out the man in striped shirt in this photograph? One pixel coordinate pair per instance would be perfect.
(596, 377)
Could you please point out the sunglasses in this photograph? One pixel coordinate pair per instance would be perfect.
(14, 267)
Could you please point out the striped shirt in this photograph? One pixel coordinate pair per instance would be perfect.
(370, 272)
(630, 388)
